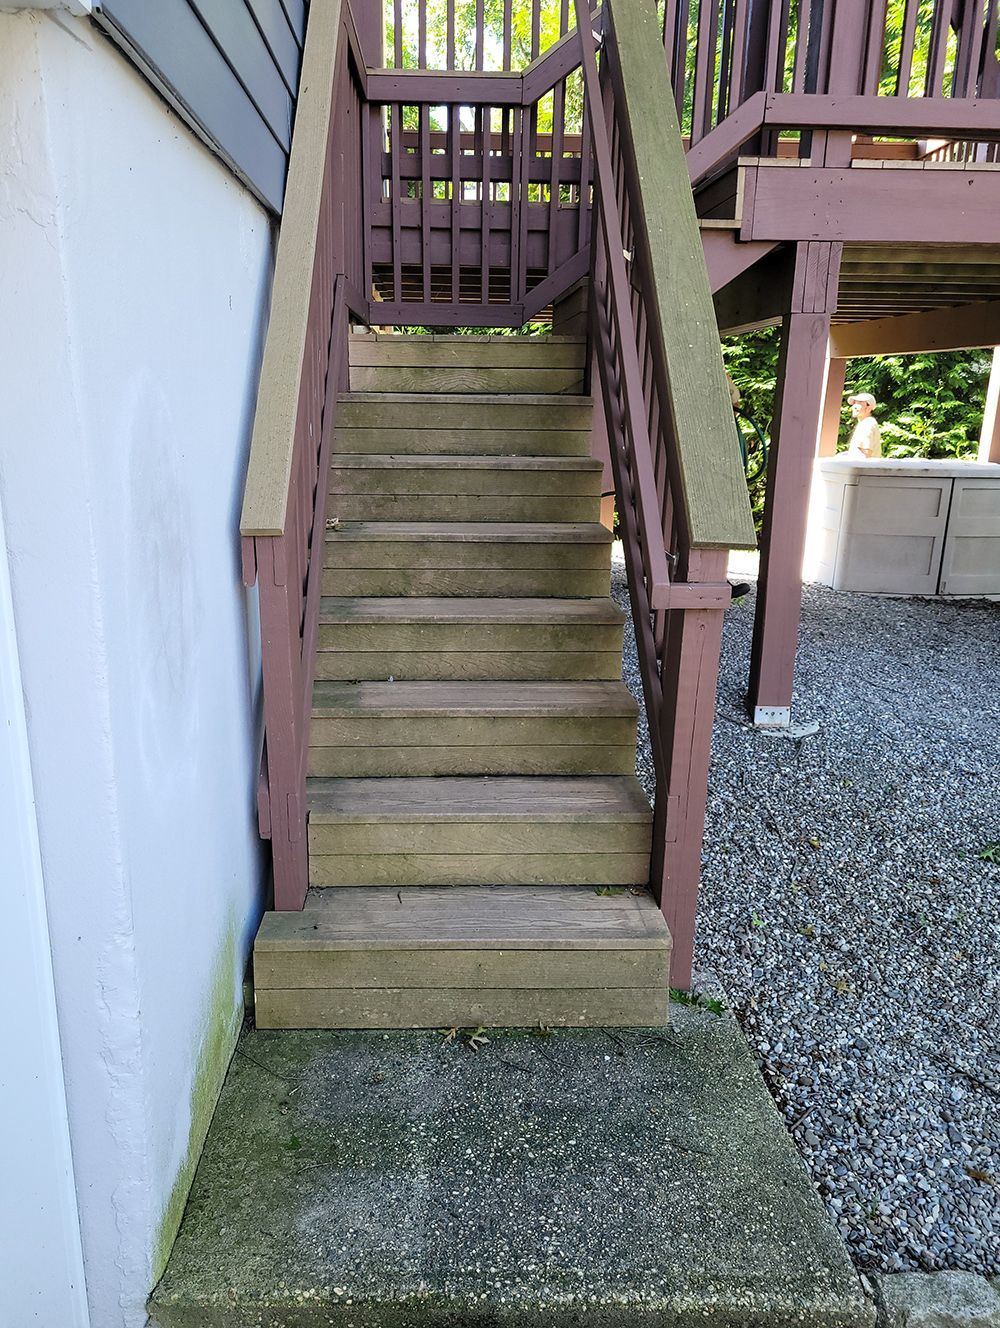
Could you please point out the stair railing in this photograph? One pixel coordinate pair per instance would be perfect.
(681, 498)
(319, 270)
(476, 216)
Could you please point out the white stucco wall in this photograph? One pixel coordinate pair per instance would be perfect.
(134, 274)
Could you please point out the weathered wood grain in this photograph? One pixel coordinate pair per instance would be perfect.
(546, 508)
(455, 441)
(419, 800)
(581, 664)
(506, 868)
(273, 442)
(551, 352)
(444, 379)
(677, 298)
(481, 969)
(477, 411)
(488, 758)
(462, 1008)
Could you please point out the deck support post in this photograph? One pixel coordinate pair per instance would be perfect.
(283, 723)
(989, 438)
(690, 673)
(798, 409)
(833, 396)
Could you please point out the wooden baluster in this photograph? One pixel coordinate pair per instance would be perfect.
(583, 221)
(988, 84)
(457, 195)
(514, 210)
(449, 24)
(426, 198)
(421, 34)
(970, 36)
(938, 49)
(395, 153)
(397, 33)
(725, 62)
(802, 35)
(875, 48)
(486, 209)
(738, 56)
(906, 45)
(704, 69)
(480, 34)
(775, 50)
(558, 130)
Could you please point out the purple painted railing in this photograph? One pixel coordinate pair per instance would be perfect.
(823, 71)
(318, 276)
(477, 184)
(681, 499)
(721, 52)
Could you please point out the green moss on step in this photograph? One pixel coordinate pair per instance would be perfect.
(220, 1030)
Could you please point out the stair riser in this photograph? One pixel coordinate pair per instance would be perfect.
(477, 481)
(441, 378)
(466, 416)
(468, 839)
(597, 869)
(602, 1007)
(455, 555)
(414, 441)
(458, 730)
(462, 507)
(469, 665)
(487, 352)
(475, 638)
(492, 759)
(528, 970)
(481, 581)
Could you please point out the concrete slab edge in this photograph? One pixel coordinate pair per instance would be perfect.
(935, 1300)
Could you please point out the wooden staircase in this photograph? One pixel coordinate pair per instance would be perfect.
(478, 843)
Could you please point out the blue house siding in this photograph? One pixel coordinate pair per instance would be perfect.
(230, 67)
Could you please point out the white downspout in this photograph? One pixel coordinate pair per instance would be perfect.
(41, 1258)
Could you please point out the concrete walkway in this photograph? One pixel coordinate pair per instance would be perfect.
(581, 1177)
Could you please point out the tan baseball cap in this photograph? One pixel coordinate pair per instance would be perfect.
(866, 397)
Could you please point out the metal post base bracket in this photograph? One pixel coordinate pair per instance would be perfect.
(772, 717)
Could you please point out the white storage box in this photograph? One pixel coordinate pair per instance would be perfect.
(906, 527)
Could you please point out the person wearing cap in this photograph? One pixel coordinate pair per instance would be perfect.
(866, 440)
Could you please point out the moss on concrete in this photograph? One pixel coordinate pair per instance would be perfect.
(220, 1030)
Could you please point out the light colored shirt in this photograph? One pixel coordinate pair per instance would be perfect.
(866, 440)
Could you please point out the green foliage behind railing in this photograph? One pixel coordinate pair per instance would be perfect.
(929, 405)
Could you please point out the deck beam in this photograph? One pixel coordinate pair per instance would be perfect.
(903, 203)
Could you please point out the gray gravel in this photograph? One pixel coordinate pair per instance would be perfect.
(850, 917)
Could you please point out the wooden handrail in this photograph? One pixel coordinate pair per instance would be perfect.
(670, 265)
(680, 493)
(272, 447)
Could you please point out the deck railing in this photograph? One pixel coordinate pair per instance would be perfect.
(681, 497)
(318, 276)
(790, 65)
(478, 184)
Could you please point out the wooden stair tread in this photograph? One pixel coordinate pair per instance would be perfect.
(472, 532)
(598, 611)
(479, 399)
(488, 798)
(450, 339)
(432, 918)
(427, 699)
(453, 461)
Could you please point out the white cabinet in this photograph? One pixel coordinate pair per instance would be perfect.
(906, 527)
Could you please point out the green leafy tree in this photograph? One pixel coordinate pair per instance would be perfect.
(929, 405)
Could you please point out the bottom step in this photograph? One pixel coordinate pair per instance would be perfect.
(464, 956)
